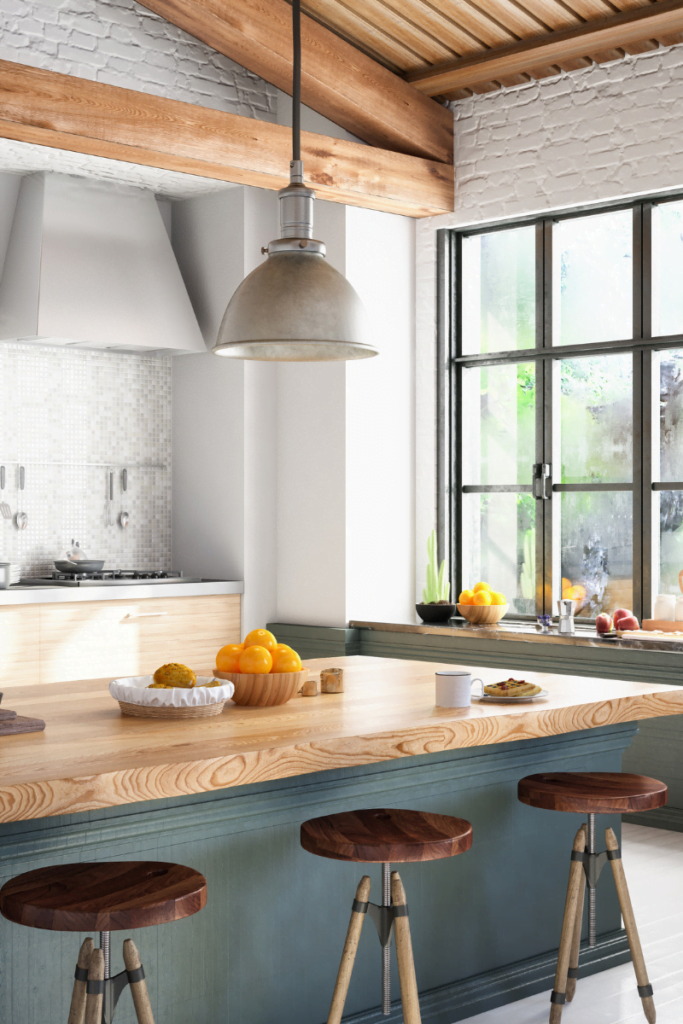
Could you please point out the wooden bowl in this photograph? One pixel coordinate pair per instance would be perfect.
(264, 690)
(483, 614)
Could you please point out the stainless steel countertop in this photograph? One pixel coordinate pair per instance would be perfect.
(52, 594)
(524, 632)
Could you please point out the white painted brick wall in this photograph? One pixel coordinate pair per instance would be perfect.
(590, 136)
(121, 43)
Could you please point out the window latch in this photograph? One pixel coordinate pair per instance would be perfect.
(542, 486)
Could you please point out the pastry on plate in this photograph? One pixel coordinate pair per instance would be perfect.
(512, 688)
(174, 674)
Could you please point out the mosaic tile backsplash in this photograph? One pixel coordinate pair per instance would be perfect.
(70, 417)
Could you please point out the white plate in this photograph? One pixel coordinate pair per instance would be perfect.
(490, 698)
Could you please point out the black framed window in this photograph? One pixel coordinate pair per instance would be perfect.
(560, 448)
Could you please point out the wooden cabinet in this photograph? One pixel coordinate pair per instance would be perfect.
(95, 639)
(19, 640)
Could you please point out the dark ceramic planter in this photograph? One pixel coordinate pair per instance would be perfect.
(434, 613)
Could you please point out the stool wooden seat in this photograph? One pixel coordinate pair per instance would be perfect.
(104, 897)
(593, 793)
(380, 836)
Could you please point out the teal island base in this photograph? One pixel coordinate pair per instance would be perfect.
(485, 924)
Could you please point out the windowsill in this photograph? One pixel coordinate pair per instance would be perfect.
(585, 636)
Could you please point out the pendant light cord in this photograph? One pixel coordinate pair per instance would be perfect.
(296, 80)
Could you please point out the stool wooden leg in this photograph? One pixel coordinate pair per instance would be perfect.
(94, 1000)
(77, 1009)
(404, 954)
(576, 872)
(348, 958)
(644, 987)
(143, 1007)
(572, 973)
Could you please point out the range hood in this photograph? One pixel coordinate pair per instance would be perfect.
(90, 264)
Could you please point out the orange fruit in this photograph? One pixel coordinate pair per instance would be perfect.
(566, 583)
(228, 657)
(568, 593)
(466, 597)
(255, 659)
(497, 597)
(578, 593)
(260, 638)
(481, 597)
(481, 586)
(287, 661)
(280, 647)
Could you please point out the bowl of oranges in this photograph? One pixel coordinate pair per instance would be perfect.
(264, 672)
(481, 605)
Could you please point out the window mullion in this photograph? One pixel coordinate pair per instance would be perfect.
(545, 538)
(646, 411)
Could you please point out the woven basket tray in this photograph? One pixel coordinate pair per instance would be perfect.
(152, 711)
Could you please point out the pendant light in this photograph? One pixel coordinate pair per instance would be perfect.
(295, 306)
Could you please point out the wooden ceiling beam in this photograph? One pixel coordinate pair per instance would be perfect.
(664, 16)
(74, 114)
(338, 80)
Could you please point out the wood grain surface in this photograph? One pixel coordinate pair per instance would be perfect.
(90, 756)
(80, 116)
(385, 835)
(103, 897)
(592, 792)
(337, 79)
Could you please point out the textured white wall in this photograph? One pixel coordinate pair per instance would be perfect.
(121, 43)
(589, 136)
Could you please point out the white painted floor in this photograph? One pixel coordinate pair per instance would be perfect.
(653, 862)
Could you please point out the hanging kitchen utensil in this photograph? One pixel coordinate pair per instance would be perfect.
(110, 495)
(5, 510)
(124, 517)
(21, 519)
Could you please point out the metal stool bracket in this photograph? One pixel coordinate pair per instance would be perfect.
(383, 919)
(112, 989)
(593, 863)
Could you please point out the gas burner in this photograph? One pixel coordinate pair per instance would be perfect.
(117, 576)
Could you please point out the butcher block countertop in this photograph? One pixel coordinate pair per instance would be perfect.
(90, 756)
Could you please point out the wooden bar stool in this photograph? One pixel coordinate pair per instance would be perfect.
(104, 898)
(382, 836)
(593, 793)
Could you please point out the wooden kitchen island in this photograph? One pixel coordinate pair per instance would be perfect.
(226, 795)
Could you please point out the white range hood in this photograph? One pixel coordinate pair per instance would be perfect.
(90, 264)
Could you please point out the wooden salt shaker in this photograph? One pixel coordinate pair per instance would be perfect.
(332, 680)
(310, 688)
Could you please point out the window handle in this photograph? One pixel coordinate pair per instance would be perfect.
(542, 486)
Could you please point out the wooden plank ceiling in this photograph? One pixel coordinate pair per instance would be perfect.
(415, 38)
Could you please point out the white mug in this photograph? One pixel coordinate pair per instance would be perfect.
(454, 688)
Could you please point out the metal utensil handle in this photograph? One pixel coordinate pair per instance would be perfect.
(22, 478)
(2, 478)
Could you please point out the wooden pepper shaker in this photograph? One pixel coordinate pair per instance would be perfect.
(332, 680)
(310, 688)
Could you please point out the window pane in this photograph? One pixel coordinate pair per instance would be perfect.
(668, 507)
(593, 279)
(499, 424)
(499, 546)
(594, 431)
(667, 269)
(596, 531)
(498, 291)
(668, 373)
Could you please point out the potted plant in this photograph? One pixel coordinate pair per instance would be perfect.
(435, 606)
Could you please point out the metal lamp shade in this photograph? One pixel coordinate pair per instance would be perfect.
(295, 307)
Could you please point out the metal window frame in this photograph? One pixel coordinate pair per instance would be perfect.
(450, 363)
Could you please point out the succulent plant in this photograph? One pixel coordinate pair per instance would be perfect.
(437, 589)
